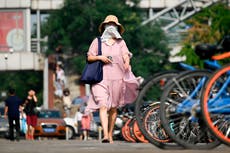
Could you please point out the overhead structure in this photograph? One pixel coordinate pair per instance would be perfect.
(180, 11)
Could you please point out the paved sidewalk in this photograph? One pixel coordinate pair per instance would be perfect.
(91, 146)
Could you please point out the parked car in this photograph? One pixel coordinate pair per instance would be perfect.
(50, 124)
(4, 125)
(1, 111)
(72, 129)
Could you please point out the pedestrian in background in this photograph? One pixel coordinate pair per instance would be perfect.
(59, 86)
(60, 74)
(59, 54)
(119, 85)
(31, 113)
(59, 80)
(13, 106)
(77, 122)
(66, 101)
(85, 122)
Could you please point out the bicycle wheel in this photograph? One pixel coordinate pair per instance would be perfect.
(126, 130)
(180, 111)
(131, 131)
(150, 93)
(124, 135)
(136, 131)
(215, 104)
(152, 124)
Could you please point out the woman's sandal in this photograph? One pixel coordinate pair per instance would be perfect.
(105, 141)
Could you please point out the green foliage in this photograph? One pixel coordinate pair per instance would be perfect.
(192, 58)
(208, 26)
(23, 81)
(76, 25)
(77, 64)
(152, 52)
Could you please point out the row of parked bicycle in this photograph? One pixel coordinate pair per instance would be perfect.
(185, 109)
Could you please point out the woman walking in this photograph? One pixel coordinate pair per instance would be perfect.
(119, 85)
(31, 114)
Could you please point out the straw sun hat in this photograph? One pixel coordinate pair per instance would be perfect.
(114, 19)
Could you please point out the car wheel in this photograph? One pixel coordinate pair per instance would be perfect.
(70, 132)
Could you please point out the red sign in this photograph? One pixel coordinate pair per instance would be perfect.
(12, 33)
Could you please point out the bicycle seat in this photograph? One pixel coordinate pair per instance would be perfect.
(206, 51)
(225, 43)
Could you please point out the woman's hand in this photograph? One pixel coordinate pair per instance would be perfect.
(105, 59)
(102, 58)
(126, 66)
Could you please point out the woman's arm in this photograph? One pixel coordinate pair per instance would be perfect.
(92, 53)
(104, 59)
(35, 97)
(126, 60)
(6, 112)
(126, 54)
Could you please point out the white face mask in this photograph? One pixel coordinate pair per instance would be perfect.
(110, 31)
(107, 26)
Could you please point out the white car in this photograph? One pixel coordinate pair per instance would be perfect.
(73, 129)
(95, 125)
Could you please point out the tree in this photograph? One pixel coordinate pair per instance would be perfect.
(23, 81)
(151, 52)
(76, 25)
(208, 26)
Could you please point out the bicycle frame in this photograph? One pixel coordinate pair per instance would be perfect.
(185, 106)
(219, 103)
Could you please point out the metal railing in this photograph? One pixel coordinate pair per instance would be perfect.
(171, 16)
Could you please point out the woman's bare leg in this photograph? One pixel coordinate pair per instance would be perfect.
(85, 135)
(28, 132)
(32, 132)
(104, 121)
(112, 120)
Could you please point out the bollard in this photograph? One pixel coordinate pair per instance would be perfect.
(67, 133)
(99, 133)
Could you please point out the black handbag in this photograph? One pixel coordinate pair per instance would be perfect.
(93, 71)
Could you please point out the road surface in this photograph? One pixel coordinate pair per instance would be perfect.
(91, 146)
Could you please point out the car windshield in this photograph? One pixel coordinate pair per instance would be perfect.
(49, 114)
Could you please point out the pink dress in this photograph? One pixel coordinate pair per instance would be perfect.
(118, 87)
(85, 122)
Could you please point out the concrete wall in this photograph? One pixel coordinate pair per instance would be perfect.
(46, 4)
(15, 3)
(158, 3)
(21, 61)
(55, 4)
(33, 4)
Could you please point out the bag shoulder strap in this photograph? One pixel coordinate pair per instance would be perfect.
(99, 45)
